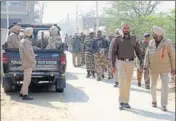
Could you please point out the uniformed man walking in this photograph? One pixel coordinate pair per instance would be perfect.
(123, 49)
(76, 50)
(160, 59)
(100, 49)
(89, 56)
(28, 62)
(82, 38)
(143, 46)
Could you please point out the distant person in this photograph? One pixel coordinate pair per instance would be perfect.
(28, 62)
(160, 59)
(143, 46)
(13, 40)
(76, 50)
(89, 56)
(82, 38)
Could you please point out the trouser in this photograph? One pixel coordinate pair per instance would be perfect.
(26, 81)
(76, 59)
(164, 90)
(146, 76)
(115, 75)
(100, 64)
(125, 73)
(82, 58)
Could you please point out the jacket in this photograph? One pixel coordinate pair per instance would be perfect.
(13, 41)
(160, 59)
(27, 54)
(76, 45)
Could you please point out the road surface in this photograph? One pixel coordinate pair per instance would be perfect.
(83, 100)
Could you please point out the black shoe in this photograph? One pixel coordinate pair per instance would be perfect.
(154, 104)
(116, 84)
(27, 97)
(109, 76)
(93, 75)
(121, 106)
(88, 74)
(139, 84)
(147, 87)
(20, 95)
(102, 76)
(126, 105)
(163, 108)
(98, 79)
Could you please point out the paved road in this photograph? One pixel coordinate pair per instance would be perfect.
(84, 100)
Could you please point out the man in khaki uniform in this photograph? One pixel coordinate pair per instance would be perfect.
(54, 40)
(13, 40)
(123, 49)
(160, 59)
(28, 62)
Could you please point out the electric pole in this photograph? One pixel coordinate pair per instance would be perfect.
(97, 19)
(77, 17)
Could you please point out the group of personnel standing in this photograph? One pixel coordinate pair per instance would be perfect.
(154, 56)
(23, 42)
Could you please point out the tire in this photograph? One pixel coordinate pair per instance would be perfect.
(59, 90)
(7, 85)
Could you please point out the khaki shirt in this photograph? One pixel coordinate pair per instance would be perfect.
(27, 54)
(13, 41)
(160, 59)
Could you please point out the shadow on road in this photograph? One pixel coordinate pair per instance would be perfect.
(44, 96)
(73, 75)
(168, 117)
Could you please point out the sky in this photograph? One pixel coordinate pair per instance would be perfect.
(56, 11)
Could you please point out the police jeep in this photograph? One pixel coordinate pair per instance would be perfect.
(50, 65)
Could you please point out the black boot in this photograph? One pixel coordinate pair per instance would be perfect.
(116, 84)
(139, 84)
(27, 97)
(88, 74)
(102, 76)
(93, 73)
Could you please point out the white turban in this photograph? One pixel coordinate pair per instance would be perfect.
(15, 28)
(157, 30)
(118, 32)
(54, 31)
(28, 32)
(124, 24)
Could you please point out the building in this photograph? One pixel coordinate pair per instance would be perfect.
(18, 12)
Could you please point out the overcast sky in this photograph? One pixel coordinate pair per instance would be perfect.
(57, 11)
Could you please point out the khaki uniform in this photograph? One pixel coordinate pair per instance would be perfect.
(123, 49)
(76, 59)
(28, 62)
(143, 47)
(160, 61)
(13, 41)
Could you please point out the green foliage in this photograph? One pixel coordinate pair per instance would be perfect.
(141, 15)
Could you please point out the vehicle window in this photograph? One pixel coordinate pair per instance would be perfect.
(39, 34)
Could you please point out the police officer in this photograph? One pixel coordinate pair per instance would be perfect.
(55, 40)
(13, 40)
(100, 49)
(143, 46)
(28, 62)
(160, 59)
(89, 56)
(123, 49)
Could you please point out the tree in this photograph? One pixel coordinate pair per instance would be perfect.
(134, 12)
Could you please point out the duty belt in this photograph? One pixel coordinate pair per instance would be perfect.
(126, 59)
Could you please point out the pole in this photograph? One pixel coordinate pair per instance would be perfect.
(97, 19)
(7, 13)
(77, 17)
